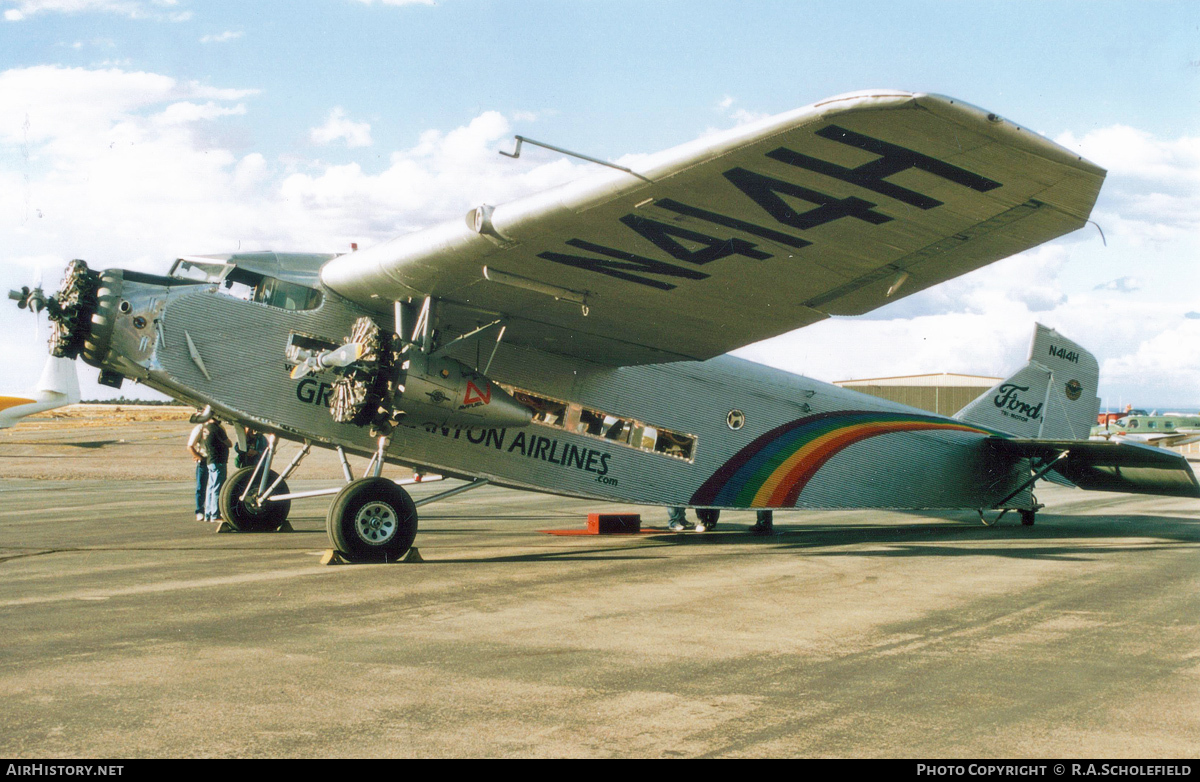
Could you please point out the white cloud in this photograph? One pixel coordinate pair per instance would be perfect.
(355, 134)
(1152, 194)
(1126, 284)
(186, 111)
(228, 35)
(740, 116)
(132, 8)
(121, 168)
(1160, 365)
(443, 176)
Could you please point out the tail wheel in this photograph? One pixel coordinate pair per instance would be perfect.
(372, 520)
(362, 396)
(247, 515)
(1027, 517)
(707, 518)
(71, 310)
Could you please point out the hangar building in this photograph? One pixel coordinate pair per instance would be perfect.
(945, 393)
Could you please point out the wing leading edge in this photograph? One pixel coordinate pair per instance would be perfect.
(833, 209)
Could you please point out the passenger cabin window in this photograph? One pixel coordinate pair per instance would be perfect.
(286, 295)
(630, 432)
(545, 411)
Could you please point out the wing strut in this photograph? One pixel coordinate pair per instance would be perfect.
(1045, 469)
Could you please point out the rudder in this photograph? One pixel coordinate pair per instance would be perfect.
(1052, 397)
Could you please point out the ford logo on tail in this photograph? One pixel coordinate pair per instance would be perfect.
(1009, 402)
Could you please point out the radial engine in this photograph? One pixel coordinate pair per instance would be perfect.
(383, 380)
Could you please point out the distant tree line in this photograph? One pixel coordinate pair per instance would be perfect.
(123, 401)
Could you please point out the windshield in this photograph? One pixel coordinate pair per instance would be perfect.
(200, 271)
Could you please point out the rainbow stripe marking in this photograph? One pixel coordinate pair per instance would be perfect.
(772, 471)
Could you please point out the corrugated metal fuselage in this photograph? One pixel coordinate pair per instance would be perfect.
(804, 444)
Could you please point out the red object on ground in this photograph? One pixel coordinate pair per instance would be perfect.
(607, 524)
(614, 523)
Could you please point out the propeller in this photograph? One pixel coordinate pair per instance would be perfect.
(70, 309)
(310, 362)
(33, 299)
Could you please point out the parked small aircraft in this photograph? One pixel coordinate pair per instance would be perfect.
(1167, 430)
(571, 341)
(58, 386)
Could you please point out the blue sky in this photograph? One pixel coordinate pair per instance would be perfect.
(135, 130)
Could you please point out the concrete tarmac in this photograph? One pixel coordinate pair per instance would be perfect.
(131, 630)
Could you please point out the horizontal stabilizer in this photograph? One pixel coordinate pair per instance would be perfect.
(1098, 465)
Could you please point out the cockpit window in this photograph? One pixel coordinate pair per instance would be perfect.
(200, 271)
(286, 295)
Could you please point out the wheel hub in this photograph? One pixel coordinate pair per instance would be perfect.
(376, 523)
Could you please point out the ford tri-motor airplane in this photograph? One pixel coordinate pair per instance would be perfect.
(572, 341)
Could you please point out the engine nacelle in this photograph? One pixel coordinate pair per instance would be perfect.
(445, 391)
(389, 382)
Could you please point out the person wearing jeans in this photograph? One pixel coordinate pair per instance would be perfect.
(214, 444)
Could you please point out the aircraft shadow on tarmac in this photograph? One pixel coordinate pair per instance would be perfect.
(1067, 538)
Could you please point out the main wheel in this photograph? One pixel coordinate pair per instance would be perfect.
(1027, 517)
(247, 515)
(706, 518)
(372, 520)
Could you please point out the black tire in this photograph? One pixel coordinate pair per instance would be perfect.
(1027, 517)
(708, 516)
(248, 516)
(372, 520)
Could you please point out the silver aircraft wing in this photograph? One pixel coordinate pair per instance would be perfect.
(833, 209)
(1110, 465)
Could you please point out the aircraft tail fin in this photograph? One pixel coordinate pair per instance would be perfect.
(58, 386)
(59, 377)
(1052, 397)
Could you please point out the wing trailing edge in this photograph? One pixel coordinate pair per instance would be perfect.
(1098, 465)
